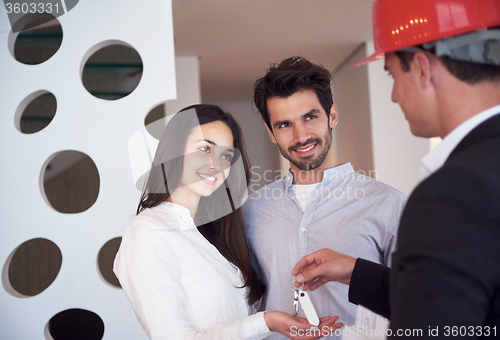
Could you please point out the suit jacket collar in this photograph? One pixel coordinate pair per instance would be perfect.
(488, 129)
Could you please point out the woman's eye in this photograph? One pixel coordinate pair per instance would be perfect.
(227, 158)
(205, 148)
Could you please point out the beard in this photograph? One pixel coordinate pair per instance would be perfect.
(309, 163)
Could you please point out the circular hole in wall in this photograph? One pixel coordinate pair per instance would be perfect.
(32, 267)
(35, 45)
(76, 324)
(70, 181)
(35, 112)
(112, 72)
(105, 261)
(155, 121)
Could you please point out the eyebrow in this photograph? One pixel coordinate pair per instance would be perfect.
(278, 123)
(207, 140)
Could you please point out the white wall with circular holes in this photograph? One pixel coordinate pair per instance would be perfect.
(97, 128)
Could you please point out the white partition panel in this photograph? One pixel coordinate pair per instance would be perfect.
(99, 128)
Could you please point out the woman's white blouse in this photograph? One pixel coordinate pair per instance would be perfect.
(178, 283)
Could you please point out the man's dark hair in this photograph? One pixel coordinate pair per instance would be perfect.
(468, 72)
(290, 76)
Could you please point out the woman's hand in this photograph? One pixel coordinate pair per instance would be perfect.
(297, 327)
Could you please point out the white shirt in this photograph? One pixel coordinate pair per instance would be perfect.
(178, 283)
(436, 158)
(303, 193)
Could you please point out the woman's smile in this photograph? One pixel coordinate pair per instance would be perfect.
(207, 178)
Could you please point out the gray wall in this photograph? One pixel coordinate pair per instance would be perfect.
(353, 136)
(372, 132)
(264, 155)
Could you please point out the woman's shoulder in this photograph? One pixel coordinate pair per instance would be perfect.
(152, 220)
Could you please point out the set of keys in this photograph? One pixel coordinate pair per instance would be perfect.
(301, 297)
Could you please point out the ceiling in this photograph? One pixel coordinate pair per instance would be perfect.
(237, 40)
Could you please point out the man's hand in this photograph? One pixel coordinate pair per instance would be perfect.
(297, 328)
(316, 269)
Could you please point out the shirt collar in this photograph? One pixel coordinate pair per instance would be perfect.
(437, 157)
(333, 174)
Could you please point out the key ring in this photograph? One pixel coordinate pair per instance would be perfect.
(295, 288)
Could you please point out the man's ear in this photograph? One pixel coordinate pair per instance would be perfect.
(271, 134)
(333, 118)
(422, 64)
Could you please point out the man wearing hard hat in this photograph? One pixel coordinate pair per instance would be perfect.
(444, 56)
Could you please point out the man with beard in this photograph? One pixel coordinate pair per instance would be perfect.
(319, 203)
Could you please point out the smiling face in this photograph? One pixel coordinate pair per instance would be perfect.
(207, 159)
(302, 130)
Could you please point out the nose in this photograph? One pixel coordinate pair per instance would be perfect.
(300, 133)
(215, 164)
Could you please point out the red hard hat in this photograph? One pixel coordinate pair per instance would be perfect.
(403, 23)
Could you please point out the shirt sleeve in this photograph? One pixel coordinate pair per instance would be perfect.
(393, 226)
(249, 222)
(149, 274)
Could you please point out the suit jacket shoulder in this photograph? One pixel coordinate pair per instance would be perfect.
(447, 259)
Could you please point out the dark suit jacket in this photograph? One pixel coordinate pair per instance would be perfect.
(446, 269)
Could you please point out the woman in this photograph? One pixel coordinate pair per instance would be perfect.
(183, 261)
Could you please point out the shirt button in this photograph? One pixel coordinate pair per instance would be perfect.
(303, 229)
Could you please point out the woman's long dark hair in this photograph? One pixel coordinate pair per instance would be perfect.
(226, 233)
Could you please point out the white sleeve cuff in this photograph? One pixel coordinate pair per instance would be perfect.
(255, 328)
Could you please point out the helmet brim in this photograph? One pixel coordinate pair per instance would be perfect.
(373, 57)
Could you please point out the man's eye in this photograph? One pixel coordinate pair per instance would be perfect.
(283, 125)
(310, 117)
(205, 148)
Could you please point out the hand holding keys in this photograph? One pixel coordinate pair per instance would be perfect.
(301, 296)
